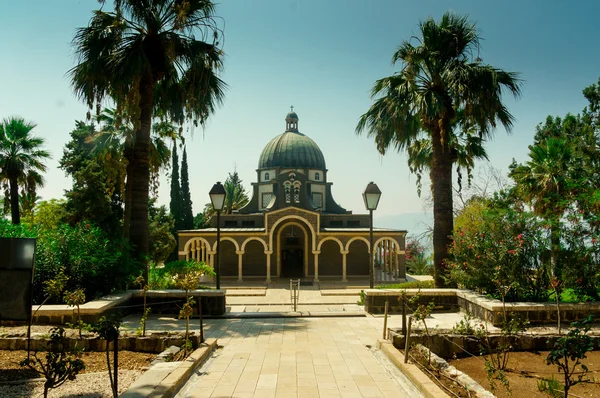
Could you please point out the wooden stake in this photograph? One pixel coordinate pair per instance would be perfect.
(406, 345)
(387, 302)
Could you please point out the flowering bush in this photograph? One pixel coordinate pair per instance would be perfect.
(418, 262)
(496, 247)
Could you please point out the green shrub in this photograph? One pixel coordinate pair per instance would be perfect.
(90, 259)
(165, 277)
(409, 285)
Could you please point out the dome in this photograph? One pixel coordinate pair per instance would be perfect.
(291, 116)
(292, 149)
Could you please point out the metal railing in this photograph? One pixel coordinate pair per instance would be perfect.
(294, 293)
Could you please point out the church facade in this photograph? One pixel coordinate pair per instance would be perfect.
(292, 227)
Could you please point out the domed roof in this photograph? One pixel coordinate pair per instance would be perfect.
(291, 115)
(292, 149)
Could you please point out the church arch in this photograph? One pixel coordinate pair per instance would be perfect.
(306, 256)
(254, 259)
(197, 249)
(330, 258)
(228, 262)
(224, 238)
(254, 238)
(358, 258)
(331, 238)
(283, 219)
(356, 238)
(388, 238)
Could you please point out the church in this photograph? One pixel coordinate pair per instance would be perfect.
(292, 227)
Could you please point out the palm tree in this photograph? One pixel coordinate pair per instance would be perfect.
(440, 83)
(544, 181)
(21, 159)
(146, 56)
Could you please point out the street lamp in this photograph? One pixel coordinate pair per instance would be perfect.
(371, 196)
(217, 198)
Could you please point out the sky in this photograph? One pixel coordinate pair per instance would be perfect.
(322, 57)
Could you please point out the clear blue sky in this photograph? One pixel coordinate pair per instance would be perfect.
(322, 57)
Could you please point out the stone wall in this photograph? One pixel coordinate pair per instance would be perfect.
(480, 306)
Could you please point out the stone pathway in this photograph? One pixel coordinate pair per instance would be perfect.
(297, 357)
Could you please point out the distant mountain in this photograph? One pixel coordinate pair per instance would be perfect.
(416, 224)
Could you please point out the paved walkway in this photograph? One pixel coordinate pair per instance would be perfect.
(297, 357)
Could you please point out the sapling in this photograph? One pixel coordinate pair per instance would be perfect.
(75, 299)
(59, 364)
(421, 313)
(144, 286)
(187, 281)
(569, 350)
(53, 288)
(108, 329)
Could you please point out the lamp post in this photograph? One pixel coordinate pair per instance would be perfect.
(371, 197)
(217, 198)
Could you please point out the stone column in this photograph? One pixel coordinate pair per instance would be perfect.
(316, 253)
(240, 254)
(344, 252)
(211, 258)
(268, 254)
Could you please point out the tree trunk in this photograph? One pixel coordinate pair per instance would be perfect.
(14, 199)
(128, 154)
(140, 173)
(555, 249)
(443, 221)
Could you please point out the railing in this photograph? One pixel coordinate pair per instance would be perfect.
(294, 293)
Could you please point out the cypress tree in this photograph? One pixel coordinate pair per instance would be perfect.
(186, 197)
(175, 204)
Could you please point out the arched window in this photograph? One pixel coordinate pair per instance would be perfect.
(317, 176)
(266, 176)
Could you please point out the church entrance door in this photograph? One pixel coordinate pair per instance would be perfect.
(293, 243)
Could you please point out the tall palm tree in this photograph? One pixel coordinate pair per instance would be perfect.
(440, 75)
(21, 159)
(152, 57)
(545, 181)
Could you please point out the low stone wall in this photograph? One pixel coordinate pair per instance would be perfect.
(152, 344)
(480, 306)
(128, 302)
(451, 345)
(444, 299)
(169, 302)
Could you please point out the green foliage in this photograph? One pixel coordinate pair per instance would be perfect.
(465, 325)
(59, 364)
(76, 298)
(161, 239)
(497, 244)
(21, 161)
(166, 277)
(236, 196)
(569, 350)
(96, 196)
(420, 314)
(49, 214)
(418, 262)
(84, 253)
(551, 386)
(176, 204)
(186, 197)
(409, 285)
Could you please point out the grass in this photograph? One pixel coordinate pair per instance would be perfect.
(409, 285)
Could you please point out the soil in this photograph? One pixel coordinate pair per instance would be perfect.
(526, 368)
(10, 369)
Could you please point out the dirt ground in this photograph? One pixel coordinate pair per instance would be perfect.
(94, 362)
(526, 368)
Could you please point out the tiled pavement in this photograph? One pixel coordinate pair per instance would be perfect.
(297, 357)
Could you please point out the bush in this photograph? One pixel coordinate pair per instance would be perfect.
(496, 246)
(91, 260)
(165, 277)
(409, 285)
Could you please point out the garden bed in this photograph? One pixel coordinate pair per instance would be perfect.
(526, 369)
(93, 382)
